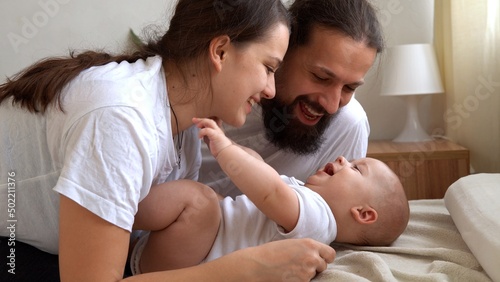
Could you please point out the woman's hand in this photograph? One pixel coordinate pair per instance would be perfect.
(290, 260)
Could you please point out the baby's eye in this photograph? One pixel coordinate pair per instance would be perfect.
(355, 167)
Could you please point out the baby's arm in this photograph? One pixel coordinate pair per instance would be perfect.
(256, 179)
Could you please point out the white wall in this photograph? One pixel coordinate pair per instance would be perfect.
(404, 22)
(31, 30)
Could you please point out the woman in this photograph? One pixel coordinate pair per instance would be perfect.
(100, 130)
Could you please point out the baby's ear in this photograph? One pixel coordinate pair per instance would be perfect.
(364, 214)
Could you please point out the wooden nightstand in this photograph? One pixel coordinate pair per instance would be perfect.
(426, 169)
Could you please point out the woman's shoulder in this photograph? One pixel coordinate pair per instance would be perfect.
(114, 71)
(140, 84)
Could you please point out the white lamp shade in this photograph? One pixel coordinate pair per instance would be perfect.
(411, 69)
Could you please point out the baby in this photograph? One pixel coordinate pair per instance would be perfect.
(360, 202)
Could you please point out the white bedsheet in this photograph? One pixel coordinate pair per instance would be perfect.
(430, 249)
(474, 205)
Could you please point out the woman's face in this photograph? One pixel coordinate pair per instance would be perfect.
(247, 75)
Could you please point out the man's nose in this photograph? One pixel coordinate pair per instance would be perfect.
(330, 101)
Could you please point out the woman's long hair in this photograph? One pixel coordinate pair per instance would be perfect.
(192, 27)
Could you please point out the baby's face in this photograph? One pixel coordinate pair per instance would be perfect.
(347, 183)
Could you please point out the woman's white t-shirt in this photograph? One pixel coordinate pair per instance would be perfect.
(104, 151)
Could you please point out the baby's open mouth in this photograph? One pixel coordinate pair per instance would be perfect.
(329, 169)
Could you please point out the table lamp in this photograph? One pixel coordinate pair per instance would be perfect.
(411, 70)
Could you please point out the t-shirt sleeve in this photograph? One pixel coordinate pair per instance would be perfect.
(316, 220)
(109, 161)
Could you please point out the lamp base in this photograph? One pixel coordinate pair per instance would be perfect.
(413, 131)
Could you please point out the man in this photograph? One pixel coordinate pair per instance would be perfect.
(313, 117)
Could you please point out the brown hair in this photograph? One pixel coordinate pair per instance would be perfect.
(355, 18)
(192, 27)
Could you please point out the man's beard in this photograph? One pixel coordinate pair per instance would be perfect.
(286, 132)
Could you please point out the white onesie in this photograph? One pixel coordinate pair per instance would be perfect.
(244, 225)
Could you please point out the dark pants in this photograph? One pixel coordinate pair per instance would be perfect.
(29, 263)
(26, 263)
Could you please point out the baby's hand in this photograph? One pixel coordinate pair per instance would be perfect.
(212, 134)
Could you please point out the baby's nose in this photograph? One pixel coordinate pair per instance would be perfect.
(341, 160)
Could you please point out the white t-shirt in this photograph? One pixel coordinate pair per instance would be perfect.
(111, 143)
(347, 135)
(244, 225)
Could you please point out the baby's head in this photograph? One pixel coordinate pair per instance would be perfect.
(366, 198)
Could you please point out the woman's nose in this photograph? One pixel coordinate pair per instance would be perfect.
(270, 91)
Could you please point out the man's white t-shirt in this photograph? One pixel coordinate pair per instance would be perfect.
(244, 225)
(110, 145)
(347, 135)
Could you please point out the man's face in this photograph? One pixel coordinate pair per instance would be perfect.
(313, 83)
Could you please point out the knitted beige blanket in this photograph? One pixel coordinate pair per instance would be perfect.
(431, 249)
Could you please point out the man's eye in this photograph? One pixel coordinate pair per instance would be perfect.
(319, 77)
(349, 89)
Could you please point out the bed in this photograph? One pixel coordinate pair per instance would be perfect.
(456, 238)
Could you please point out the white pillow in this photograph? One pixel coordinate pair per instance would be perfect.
(474, 205)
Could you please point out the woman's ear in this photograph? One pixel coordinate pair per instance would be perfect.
(217, 50)
(364, 214)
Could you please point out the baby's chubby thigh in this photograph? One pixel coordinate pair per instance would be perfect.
(196, 227)
(199, 221)
(201, 207)
(187, 237)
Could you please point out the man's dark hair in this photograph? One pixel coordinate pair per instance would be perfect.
(355, 18)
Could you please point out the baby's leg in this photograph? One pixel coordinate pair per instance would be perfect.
(184, 218)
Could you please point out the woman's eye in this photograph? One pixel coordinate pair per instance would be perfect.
(270, 70)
